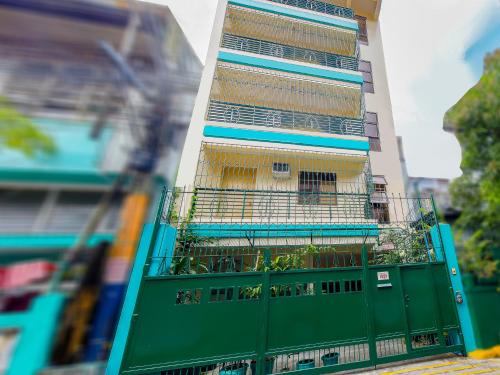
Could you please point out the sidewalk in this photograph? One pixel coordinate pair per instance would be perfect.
(450, 365)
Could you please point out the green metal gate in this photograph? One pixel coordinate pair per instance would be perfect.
(318, 317)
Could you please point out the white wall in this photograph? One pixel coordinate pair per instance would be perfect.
(192, 145)
(386, 162)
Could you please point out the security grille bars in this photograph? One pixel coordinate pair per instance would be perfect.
(284, 30)
(319, 6)
(291, 92)
(203, 247)
(223, 166)
(289, 52)
(231, 113)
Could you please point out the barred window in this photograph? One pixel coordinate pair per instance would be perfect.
(317, 188)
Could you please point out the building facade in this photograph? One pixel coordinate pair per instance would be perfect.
(288, 237)
(277, 81)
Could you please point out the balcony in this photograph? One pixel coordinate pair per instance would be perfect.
(288, 31)
(261, 47)
(244, 85)
(237, 184)
(319, 6)
(277, 231)
(231, 113)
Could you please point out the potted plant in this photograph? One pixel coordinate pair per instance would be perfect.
(237, 368)
(331, 358)
(305, 363)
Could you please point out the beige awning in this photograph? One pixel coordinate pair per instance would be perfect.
(379, 180)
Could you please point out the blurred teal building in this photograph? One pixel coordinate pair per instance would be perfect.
(53, 71)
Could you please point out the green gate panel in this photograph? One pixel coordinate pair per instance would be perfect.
(387, 304)
(448, 312)
(331, 313)
(419, 300)
(169, 330)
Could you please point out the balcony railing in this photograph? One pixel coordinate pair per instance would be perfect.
(319, 6)
(261, 206)
(325, 241)
(261, 116)
(288, 52)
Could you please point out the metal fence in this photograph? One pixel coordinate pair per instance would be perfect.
(289, 52)
(319, 6)
(220, 231)
(274, 118)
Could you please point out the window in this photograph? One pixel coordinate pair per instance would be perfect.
(281, 167)
(363, 31)
(381, 212)
(352, 286)
(317, 188)
(365, 67)
(371, 131)
(330, 287)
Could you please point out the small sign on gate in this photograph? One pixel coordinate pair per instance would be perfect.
(383, 276)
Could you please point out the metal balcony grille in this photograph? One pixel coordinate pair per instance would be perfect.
(318, 6)
(289, 52)
(231, 166)
(289, 31)
(286, 91)
(261, 116)
(223, 238)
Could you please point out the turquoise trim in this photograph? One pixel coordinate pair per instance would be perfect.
(42, 241)
(284, 230)
(436, 240)
(298, 14)
(37, 331)
(66, 177)
(286, 138)
(456, 282)
(75, 150)
(53, 176)
(164, 249)
(260, 62)
(122, 330)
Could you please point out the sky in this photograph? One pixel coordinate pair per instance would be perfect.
(433, 51)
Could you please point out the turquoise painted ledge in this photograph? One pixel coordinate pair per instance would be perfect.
(289, 67)
(123, 328)
(41, 241)
(296, 13)
(285, 138)
(66, 177)
(54, 176)
(284, 230)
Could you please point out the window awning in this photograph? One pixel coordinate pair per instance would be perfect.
(379, 180)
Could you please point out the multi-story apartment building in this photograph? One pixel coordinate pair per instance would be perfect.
(280, 81)
(54, 71)
(282, 248)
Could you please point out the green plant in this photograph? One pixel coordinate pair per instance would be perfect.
(183, 261)
(475, 120)
(18, 132)
(406, 245)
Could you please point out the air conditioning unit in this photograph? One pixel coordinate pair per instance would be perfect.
(281, 170)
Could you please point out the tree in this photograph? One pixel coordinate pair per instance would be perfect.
(475, 119)
(20, 133)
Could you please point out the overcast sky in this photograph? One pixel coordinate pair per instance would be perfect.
(425, 43)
